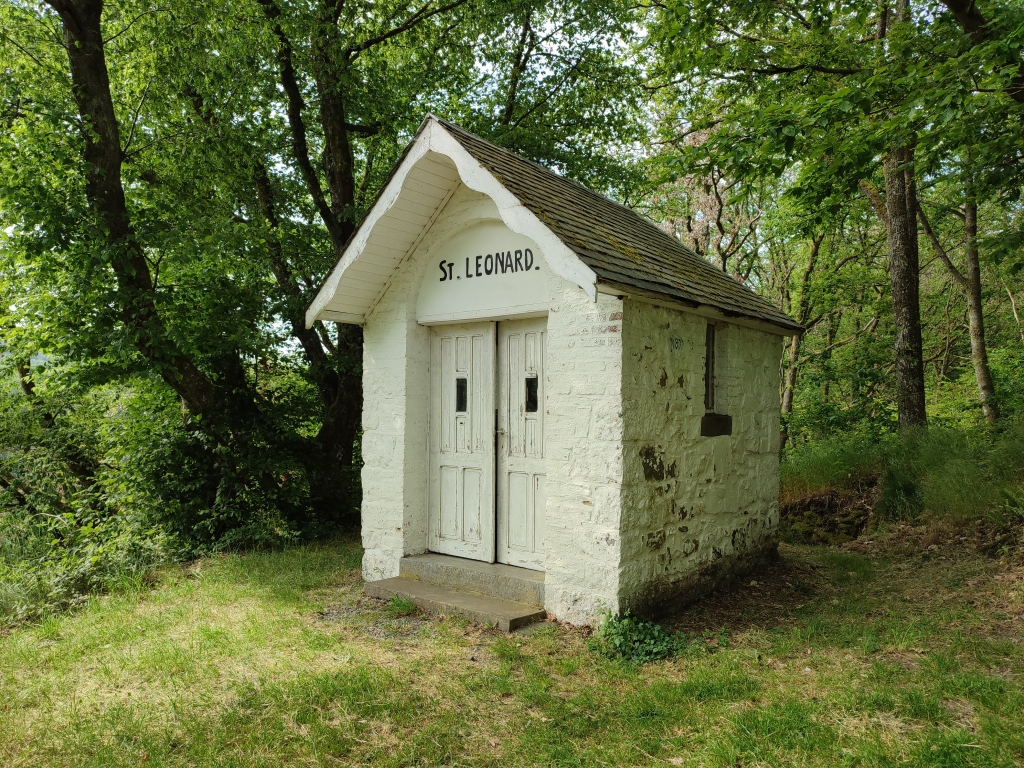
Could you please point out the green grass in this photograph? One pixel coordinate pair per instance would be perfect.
(276, 659)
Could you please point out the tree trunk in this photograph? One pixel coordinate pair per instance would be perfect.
(970, 282)
(340, 384)
(794, 343)
(787, 390)
(904, 274)
(341, 423)
(337, 381)
(320, 367)
(976, 317)
(83, 40)
(1013, 308)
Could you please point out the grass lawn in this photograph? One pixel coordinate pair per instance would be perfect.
(833, 657)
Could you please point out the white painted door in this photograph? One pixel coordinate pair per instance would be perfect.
(462, 440)
(521, 461)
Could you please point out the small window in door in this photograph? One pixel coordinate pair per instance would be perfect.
(461, 395)
(531, 394)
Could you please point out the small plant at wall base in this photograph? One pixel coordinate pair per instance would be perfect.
(1014, 506)
(629, 639)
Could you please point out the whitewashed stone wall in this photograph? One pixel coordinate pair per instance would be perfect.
(694, 508)
(583, 429)
(584, 453)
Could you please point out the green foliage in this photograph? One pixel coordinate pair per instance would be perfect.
(952, 473)
(773, 125)
(100, 484)
(61, 535)
(1014, 504)
(627, 638)
(636, 641)
(837, 462)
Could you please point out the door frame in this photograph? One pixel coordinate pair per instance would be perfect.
(498, 537)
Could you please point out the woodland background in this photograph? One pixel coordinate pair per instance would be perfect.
(176, 179)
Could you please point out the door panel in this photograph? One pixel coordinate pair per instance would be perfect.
(462, 440)
(518, 517)
(521, 459)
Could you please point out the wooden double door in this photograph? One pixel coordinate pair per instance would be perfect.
(487, 458)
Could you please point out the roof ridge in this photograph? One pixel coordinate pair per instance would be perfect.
(648, 223)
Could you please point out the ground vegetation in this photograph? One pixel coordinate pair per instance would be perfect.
(896, 649)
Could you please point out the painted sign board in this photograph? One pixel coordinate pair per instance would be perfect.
(484, 271)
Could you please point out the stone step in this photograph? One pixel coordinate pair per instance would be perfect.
(507, 615)
(506, 582)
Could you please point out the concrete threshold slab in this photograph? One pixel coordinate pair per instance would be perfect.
(520, 585)
(506, 615)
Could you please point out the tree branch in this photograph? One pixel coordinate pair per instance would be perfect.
(300, 145)
(135, 118)
(872, 194)
(974, 23)
(958, 276)
(421, 15)
(104, 190)
(522, 57)
(803, 68)
(848, 340)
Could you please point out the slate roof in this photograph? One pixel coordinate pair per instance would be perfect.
(622, 247)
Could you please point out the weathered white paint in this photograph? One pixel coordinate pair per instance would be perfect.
(584, 448)
(522, 462)
(484, 270)
(690, 500)
(582, 427)
(408, 207)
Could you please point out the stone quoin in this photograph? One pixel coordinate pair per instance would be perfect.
(564, 408)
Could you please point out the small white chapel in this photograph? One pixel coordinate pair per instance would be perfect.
(566, 411)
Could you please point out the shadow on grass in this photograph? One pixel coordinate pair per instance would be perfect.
(286, 574)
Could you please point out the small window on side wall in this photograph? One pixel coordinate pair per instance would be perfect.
(709, 368)
(713, 424)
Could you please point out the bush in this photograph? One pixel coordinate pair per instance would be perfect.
(840, 462)
(61, 535)
(632, 640)
(48, 564)
(101, 480)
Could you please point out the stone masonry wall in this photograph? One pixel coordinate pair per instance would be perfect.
(695, 509)
(584, 453)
